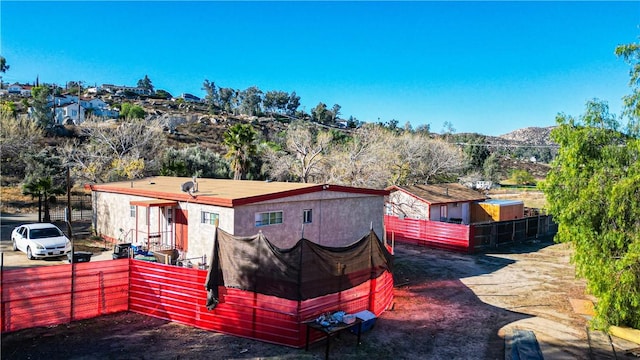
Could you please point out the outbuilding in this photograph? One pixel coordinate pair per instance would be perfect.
(449, 202)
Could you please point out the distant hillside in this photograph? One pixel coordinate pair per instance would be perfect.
(530, 135)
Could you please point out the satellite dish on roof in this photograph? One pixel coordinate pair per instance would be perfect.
(187, 187)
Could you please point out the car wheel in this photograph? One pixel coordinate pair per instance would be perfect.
(14, 244)
(29, 254)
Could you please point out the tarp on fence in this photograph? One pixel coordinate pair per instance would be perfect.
(305, 271)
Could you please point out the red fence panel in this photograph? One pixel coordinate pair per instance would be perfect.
(42, 296)
(428, 233)
(177, 294)
(172, 293)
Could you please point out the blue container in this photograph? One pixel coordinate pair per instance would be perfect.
(368, 320)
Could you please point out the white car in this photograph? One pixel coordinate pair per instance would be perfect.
(40, 240)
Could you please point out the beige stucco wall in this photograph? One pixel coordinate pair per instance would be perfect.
(414, 208)
(338, 219)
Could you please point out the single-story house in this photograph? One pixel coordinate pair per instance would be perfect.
(182, 213)
(437, 202)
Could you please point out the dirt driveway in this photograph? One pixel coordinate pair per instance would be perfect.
(447, 306)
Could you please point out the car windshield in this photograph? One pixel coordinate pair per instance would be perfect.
(45, 233)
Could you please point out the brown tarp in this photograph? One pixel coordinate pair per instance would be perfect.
(305, 271)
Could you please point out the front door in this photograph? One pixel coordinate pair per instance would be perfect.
(182, 226)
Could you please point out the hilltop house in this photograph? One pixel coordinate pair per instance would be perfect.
(437, 202)
(18, 89)
(171, 212)
(110, 88)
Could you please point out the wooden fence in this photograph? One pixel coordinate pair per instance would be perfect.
(55, 294)
(467, 238)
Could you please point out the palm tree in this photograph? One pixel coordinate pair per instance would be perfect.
(44, 189)
(240, 143)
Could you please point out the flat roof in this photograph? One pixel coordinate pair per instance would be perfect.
(221, 192)
(503, 202)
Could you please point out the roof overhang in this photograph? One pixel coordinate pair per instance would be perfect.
(153, 203)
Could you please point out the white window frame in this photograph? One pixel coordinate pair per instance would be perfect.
(307, 216)
(132, 211)
(208, 217)
(444, 211)
(271, 218)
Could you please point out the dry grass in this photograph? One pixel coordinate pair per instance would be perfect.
(13, 201)
(532, 198)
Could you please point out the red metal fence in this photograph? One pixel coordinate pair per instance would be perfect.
(428, 233)
(467, 238)
(50, 295)
(172, 293)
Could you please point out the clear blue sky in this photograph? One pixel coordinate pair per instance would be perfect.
(486, 67)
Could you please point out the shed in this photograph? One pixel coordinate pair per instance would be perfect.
(433, 202)
(497, 210)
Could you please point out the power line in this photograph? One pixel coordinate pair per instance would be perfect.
(510, 145)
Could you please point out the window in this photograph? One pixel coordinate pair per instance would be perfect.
(443, 212)
(210, 218)
(132, 211)
(306, 216)
(169, 216)
(269, 218)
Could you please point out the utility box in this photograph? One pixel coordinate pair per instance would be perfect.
(368, 320)
(497, 210)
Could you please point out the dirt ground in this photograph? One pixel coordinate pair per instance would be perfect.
(447, 306)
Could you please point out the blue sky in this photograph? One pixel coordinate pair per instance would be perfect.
(486, 67)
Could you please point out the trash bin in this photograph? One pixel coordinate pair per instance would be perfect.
(80, 256)
(121, 251)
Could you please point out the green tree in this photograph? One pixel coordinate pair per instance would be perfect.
(8, 108)
(491, 168)
(592, 191)
(522, 177)
(275, 101)
(194, 161)
(631, 54)
(3, 64)
(320, 113)
(146, 84)
(40, 110)
(212, 97)
(45, 178)
(240, 142)
(163, 94)
(250, 101)
(228, 98)
(131, 111)
(293, 104)
(44, 189)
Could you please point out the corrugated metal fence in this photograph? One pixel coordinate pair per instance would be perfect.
(467, 238)
(428, 233)
(172, 293)
(50, 295)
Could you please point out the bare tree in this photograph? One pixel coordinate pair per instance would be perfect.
(19, 138)
(117, 151)
(362, 161)
(419, 159)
